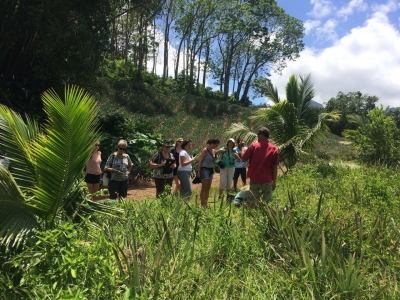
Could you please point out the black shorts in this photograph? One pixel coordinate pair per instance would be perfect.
(240, 172)
(91, 178)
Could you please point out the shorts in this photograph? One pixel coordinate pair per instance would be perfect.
(206, 173)
(92, 178)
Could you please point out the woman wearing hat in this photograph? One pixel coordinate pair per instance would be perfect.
(163, 163)
(226, 174)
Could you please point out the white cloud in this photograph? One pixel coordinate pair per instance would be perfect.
(327, 31)
(321, 8)
(353, 5)
(309, 25)
(367, 59)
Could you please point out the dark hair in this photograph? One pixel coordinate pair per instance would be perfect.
(239, 139)
(264, 131)
(213, 141)
(185, 142)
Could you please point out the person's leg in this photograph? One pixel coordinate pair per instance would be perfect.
(186, 187)
(90, 187)
(266, 189)
(177, 184)
(205, 191)
(255, 193)
(222, 180)
(168, 182)
(113, 189)
(123, 189)
(159, 186)
(235, 178)
(243, 175)
(230, 173)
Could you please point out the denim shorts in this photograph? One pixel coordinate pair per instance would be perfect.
(206, 173)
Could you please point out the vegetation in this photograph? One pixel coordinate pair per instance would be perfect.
(354, 103)
(46, 164)
(285, 119)
(376, 139)
(330, 232)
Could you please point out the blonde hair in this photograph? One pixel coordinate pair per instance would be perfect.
(178, 139)
(122, 143)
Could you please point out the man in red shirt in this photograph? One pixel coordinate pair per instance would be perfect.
(263, 166)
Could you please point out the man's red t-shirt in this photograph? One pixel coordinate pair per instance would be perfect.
(263, 157)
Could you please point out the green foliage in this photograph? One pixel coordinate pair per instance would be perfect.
(331, 232)
(45, 166)
(353, 103)
(377, 140)
(47, 44)
(395, 115)
(285, 120)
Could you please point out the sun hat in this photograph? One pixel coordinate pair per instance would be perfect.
(232, 140)
(167, 143)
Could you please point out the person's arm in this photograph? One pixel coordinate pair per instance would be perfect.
(201, 158)
(108, 165)
(130, 165)
(222, 150)
(153, 163)
(173, 164)
(246, 155)
(183, 161)
(236, 156)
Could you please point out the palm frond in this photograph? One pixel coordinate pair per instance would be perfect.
(15, 139)
(237, 130)
(306, 94)
(271, 92)
(292, 91)
(357, 119)
(17, 221)
(62, 150)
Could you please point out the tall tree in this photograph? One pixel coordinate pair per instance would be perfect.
(47, 43)
(254, 37)
(353, 103)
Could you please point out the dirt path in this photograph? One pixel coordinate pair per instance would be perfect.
(139, 190)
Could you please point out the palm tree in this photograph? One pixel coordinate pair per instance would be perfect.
(45, 162)
(285, 120)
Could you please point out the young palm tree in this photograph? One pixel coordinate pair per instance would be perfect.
(285, 120)
(45, 162)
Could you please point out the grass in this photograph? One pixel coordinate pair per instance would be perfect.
(329, 234)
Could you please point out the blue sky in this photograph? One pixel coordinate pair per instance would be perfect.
(350, 45)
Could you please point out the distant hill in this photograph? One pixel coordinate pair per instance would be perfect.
(393, 108)
(316, 104)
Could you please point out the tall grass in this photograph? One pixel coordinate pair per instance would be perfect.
(329, 234)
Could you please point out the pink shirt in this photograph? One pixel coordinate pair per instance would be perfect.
(263, 157)
(93, 164)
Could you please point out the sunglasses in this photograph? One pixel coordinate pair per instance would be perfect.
(179, 141)
(97, 145)
(123, 149)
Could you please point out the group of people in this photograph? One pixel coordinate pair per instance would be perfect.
(118, 166)
(175, 165)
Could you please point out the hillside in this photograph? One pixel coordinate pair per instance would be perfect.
(170, 113)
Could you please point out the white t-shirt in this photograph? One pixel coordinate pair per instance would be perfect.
(187, 156)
